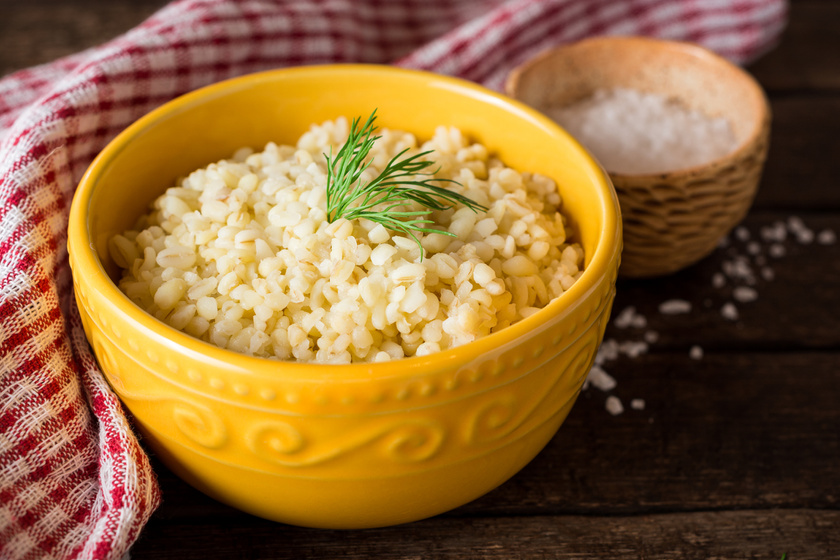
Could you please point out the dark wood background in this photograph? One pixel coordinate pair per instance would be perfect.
(735, 456)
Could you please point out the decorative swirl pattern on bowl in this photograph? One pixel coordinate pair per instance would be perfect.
(505, 414)
(401, 441)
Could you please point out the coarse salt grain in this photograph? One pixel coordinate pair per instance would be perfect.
(805, 236)
(614, 406)
(600, 379)
(674, 307)
(630, 318)
(826, 237)
(738, 268)
(633, 348)
(695, 353)
(777, 250)
(744, 294)
(768, 274)
(729, 311)
(795, 224)
(776, 232)
(636, 132)
(608, 351)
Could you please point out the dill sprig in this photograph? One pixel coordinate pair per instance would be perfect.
(383, 199)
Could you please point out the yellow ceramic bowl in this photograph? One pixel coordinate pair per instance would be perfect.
(353, 445)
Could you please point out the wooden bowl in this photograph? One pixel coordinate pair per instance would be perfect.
(674, 218)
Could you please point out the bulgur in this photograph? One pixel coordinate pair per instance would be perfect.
(240, 254)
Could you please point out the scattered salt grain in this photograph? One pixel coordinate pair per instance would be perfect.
(736, 270)
(607, 352)
(674, 307)
(826, 237)
(729, 312)
(776, 232)
(614, 405)
(805, 236)
(744, 294)
(633, 348)
(630, 318)
(739, 268)
(657, 133)
(777, 250)
(600, 379)
(795, 224)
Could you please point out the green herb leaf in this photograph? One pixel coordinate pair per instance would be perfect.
(380, 200)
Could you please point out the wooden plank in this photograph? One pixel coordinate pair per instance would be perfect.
(798, 308)
(765, 535)
(803, 164)
(806, 57)
(36, 32)
(729, 431)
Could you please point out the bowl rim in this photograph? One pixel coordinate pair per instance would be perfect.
(82, 251)
(743, 149)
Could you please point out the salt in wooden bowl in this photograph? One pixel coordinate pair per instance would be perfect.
(672, 219)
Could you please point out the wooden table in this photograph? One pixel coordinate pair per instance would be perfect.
(735, 455)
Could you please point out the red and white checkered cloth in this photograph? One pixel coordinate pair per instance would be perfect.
(74, 483)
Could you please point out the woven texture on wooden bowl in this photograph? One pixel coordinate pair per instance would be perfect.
(675, 218)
